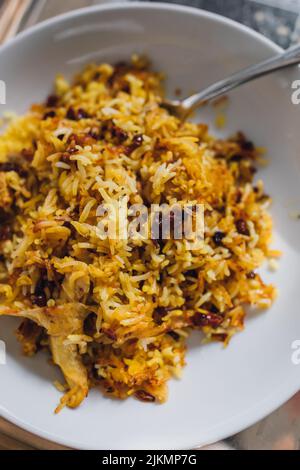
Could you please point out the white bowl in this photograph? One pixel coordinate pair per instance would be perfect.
(222, 390)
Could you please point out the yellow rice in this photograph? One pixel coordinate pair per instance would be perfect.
(115, 314)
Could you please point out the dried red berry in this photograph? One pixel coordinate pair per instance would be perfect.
(145, 396)
(110, 333)
(49, 114)
(137, 141)
(210, 319)
(5, 233)
(247, 145)
(242, 228)
(89, 325)
(82, 114)
(119, 134)
(52, 101)
(159, 314)
(218, 238)
(27, 154)
(174, 335)
(39, 300)
(251, 275)
(71, 114)
(13, 166)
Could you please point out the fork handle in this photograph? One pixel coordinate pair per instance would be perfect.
(289, 57)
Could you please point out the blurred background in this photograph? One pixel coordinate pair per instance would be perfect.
(278, 20)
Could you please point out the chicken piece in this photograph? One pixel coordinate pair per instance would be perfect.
(63, 320)
(67, 358)
(60, 322)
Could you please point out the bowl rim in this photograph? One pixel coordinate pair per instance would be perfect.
(286, 391)
(145, 5)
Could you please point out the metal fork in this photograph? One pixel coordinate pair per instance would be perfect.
(183, 108)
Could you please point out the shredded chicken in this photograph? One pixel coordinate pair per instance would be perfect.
(60, 322)
(67, 358)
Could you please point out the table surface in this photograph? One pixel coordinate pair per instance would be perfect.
(280, 21)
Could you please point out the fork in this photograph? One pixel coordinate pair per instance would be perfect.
(183, 108)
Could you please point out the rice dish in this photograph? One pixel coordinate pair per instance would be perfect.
(115, 313)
